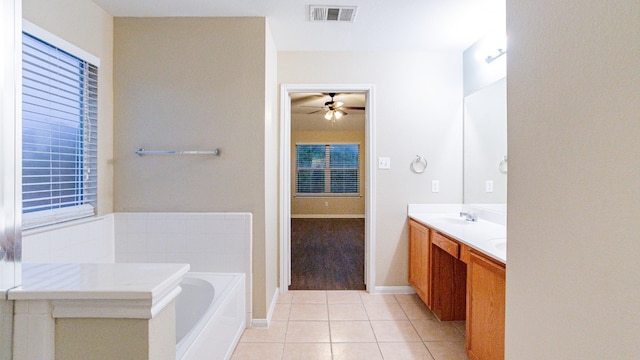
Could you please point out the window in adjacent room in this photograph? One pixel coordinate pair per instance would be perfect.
(327, 169)
(59, 133)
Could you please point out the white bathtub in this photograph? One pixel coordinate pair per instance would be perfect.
(210, 315)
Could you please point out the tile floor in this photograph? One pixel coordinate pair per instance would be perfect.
(352, 325)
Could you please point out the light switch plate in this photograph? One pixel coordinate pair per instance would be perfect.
(384, 163)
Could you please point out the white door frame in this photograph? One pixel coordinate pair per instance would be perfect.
(285, 177)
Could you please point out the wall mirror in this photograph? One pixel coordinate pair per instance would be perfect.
(485, 147)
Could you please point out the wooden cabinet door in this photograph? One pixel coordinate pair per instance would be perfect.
(485, 308)
(419, 245)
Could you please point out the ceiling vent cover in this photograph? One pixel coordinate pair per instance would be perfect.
(332, 13)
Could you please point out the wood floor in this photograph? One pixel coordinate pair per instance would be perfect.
(327, 254)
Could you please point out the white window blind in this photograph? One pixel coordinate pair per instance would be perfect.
(327, 169)
(59, 134)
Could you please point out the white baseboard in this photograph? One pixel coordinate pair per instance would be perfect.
(327, 216)
(393, 290)
(264, 323)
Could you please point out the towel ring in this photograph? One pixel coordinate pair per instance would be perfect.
(502, 167)
(419, 164)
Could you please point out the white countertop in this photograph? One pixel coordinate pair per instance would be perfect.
(97, 281)
(485, 236)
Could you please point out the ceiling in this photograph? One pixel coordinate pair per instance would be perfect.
(307, 112)
(380, 25)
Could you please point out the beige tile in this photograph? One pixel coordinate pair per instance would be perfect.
(281, 312)
(436, 330)
(356, 351)
(309, 297)
(258, 351)
(315, 351)
(417, 311)
(384, 311)
(275, 333)
(445, 350)
(405, 351)
(347, 312)
(408, 298)
(351, 331)
(369, 298)
(461, 326)
(309, 312)
(285, 298)
(307, 332)
(344, 297)
(395, 331)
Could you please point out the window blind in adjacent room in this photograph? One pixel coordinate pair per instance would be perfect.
(327, 169)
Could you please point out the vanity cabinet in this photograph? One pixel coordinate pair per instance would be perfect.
(419, 269)
(486, 283)
(458, 282)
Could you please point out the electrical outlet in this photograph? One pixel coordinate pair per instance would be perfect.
(488, 186)
(384, 163)
(435, 186)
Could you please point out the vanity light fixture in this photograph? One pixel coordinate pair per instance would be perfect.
(489, 59)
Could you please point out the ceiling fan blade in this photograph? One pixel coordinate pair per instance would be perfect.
(317, 111)
(307, 98)
(353, 107)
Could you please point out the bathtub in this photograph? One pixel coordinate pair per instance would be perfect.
(210, 315)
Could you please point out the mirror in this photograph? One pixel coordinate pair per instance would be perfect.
(485, 147)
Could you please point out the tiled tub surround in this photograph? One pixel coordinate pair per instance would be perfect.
(87, 240)
(209, 242)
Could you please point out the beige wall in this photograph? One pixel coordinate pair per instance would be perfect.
(573, 277)
(327, 205)
(418, 110)
(199, 84)
(90, 28)
(107, 339)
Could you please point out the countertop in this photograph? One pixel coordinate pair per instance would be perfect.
(485, 236)
(121, 281)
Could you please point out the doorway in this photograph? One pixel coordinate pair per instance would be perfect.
(288, 174)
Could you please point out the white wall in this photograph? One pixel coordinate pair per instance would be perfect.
(418, 110)
(271, 171)
(573, 92)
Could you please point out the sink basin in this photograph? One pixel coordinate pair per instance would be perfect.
(499, 243)
(455, 220)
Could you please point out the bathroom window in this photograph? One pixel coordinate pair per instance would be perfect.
(59, 134)
(327, 169)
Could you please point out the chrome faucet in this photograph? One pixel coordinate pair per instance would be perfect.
(468, 216)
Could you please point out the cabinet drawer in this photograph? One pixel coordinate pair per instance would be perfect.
(446, 244)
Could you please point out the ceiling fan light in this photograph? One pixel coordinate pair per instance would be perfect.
(329, 115)
(338, 114)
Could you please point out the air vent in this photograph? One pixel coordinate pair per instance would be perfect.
(332, 13)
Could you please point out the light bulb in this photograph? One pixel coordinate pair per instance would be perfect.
(338, 114)
(328, 115)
